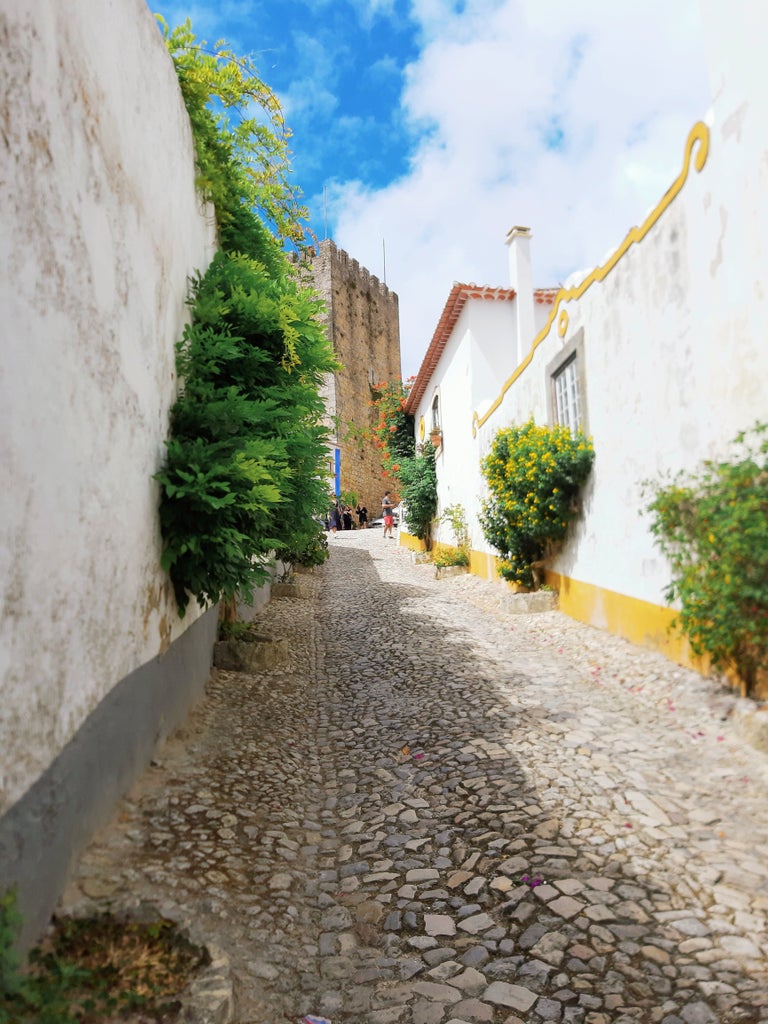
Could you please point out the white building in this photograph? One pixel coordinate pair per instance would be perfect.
(665, 345)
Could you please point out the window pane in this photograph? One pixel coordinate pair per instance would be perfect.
(567, 397)
(436, 413)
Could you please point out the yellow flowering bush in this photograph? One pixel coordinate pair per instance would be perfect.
(534, 475)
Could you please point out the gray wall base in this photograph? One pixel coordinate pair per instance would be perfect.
(43, 834)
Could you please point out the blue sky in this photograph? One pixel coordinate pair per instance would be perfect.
(435, 125)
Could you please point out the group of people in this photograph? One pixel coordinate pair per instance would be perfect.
(340, 516)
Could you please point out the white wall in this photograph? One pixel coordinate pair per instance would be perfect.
(100, 227)
(675, 350)
(675, 341)
(466, 377)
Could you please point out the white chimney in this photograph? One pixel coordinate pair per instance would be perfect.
(519, 241)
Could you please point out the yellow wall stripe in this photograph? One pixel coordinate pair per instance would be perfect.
(640, 622)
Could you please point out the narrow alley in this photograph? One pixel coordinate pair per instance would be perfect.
(440, 811)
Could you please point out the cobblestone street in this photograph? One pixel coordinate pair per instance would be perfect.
(440, 811)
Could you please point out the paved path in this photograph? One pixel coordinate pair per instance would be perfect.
(441, 812)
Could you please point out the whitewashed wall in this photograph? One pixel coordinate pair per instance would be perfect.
(675, 341)
(466, 378)
(100, 227)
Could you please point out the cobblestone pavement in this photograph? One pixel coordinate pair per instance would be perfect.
(441, 812)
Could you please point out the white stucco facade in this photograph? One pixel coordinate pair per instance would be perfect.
(100, 228)
(465, 378)
(672, 348)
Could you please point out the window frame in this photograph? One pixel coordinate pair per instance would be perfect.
(572, 352)
(434, 411)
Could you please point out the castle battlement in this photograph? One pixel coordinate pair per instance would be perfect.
(353, 272)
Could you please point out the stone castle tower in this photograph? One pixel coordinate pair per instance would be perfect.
(363, 326)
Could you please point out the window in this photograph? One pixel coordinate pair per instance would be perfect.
(435, 413)
(566, 391)
(567, 404)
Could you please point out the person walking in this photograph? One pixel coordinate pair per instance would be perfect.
(347, 517)
(362, 516)
(388, 511)
(335, 518)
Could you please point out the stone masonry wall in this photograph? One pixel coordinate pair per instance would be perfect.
(364, 327)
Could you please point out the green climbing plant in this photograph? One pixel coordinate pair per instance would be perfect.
(418, 478)
(246, 460)
(456, 518)
(712, 525)
(241, 138)
(391, 430)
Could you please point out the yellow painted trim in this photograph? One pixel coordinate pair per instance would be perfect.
(483, 565)
(697, 137)
(422, 428)
(640, 622)
(410, 542)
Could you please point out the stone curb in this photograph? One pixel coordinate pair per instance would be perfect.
(256, 655)
(750, 721)
(446, 571)
(525, 604)
(209, 998)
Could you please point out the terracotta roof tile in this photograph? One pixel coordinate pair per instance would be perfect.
(454, 305)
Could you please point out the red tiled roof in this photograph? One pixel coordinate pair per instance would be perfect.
(451, 313)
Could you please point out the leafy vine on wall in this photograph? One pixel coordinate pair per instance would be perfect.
(246, 458)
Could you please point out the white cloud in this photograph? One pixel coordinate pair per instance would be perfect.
(569, 118)
(207, 19)
(369, 10)
(312, 89)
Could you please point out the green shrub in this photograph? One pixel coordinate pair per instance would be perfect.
(310, 551)
(246, 462)
(418, 477)
(455, 517)
(534, 475)
(713, 528)
(245, 465)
